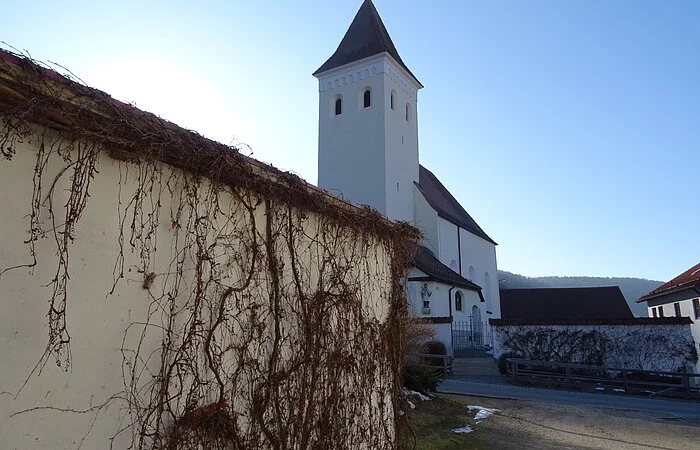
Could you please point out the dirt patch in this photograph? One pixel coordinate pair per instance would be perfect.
(527, 424)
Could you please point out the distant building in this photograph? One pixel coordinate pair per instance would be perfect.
(679, 297)
(368, 154)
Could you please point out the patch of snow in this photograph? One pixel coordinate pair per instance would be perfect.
(483, 412)
(618, 390)
(463, 430)
(489, 352)
(417, 394)
(600, 389)
(648, 392)
(411, 404)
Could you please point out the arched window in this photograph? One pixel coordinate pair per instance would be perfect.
(391, 100)
(367, 98)
(408, 112)
(471, 275)
(338, 106)
(458, 301)
(453, 265)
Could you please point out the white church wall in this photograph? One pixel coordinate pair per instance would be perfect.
(439, 306)
(439, 298)
(469, 300)
(481, 254)
(426, 220)
(447, 241)
(475, 252)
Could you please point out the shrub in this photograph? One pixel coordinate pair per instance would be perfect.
(421, 378)
(435, 348)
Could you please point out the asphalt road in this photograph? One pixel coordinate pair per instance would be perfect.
(661, 409)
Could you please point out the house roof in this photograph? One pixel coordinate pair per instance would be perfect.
(688, 279)
(366, 36)
(446, 205)
(31, 93)
(428, 263)
(547, 304)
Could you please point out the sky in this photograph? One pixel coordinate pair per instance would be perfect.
(569, 130)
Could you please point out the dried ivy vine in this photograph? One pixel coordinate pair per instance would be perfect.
(278, 312)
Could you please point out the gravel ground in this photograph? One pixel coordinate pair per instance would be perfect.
(542, 425)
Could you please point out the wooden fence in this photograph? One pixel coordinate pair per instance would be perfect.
(429, 359)
(577, 376)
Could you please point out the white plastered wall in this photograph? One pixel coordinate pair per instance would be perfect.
(40, 409)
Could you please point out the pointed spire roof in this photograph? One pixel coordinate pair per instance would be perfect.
(367, 36)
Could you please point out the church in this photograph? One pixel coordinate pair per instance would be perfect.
(368, 154)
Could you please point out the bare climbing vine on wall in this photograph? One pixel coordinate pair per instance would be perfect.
(277, 312)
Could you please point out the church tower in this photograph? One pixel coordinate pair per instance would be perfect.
(368, 122)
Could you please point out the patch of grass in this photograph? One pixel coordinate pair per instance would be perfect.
(432, 423)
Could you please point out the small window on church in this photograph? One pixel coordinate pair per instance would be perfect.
(338, 106)
(408, 112)
(367, 98)
(458, 301)
(391, 100)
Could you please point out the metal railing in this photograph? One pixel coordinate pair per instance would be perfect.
(471, 338)
(620, 380)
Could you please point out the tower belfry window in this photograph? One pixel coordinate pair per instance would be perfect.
(408, 112)
(338, 106)
(367, 98)
(391, 100)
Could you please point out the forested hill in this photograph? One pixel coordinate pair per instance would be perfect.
(632, 288)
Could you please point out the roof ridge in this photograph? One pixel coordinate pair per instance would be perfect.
(687, 279)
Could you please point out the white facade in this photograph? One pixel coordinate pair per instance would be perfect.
(369, 155)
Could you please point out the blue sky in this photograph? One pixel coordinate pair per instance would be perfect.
(569, 130)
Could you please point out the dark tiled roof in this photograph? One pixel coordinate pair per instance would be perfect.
(366, 37)
(445, 204)
(629, 321)
(547, 304)
(428, 263)
(689, 278)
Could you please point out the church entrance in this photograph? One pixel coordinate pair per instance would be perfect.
(472, 338)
